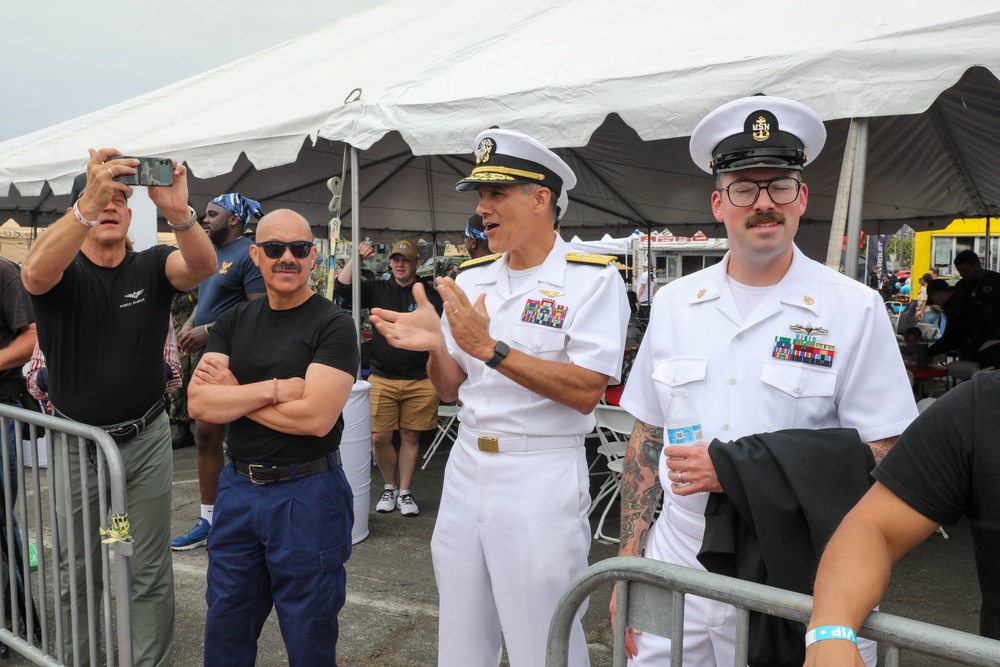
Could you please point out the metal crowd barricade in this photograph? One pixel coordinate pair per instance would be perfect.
(31, 607)
(650, 597)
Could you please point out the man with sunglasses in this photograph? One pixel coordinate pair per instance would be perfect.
(103, 313)
(279, 370)
(763, 341)
(402, 396)
(236, 281)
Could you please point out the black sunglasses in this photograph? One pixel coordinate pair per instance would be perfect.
(275, 249)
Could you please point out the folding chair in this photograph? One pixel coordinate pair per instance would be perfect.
(614, 426)
(447, 428)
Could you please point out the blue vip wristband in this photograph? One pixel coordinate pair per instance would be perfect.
(830, 632)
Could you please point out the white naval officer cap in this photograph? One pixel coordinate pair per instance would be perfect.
(505, 157)
(757, 131)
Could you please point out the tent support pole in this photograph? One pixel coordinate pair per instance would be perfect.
(355, 236)
(855, 208)
(838, 223)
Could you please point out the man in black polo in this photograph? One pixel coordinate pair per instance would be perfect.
(279, 370)
(402, 396)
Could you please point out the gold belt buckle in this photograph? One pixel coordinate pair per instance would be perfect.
(489, 444)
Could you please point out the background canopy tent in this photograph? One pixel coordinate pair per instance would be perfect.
(616, 92)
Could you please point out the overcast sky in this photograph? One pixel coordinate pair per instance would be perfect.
(65, 58)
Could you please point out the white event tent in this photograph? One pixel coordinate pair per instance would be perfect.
(615, 87)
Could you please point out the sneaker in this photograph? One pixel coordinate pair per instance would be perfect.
(194, 538)
(184, 437)
(407, 505)
(387, 502)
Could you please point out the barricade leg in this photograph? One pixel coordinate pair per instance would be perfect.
(75, 496)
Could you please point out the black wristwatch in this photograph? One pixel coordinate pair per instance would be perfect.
(500, 351)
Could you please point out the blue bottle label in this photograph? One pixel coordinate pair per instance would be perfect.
(685, 435)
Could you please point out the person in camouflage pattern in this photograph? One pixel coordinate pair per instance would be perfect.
(181, 308)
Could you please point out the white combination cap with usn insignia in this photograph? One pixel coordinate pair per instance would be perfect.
(757, 132)
(504, 157)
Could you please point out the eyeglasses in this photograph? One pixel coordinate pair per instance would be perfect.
(745, 193)
(275, 249)
(474, 234)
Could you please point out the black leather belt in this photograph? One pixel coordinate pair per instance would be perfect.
(265, 473)
(122, 433)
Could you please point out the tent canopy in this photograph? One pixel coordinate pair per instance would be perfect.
(615, 92)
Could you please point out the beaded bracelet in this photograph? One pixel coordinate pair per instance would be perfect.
(830, 632)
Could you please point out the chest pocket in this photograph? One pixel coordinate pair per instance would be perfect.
(799, 380)
(539, 341)
(679, 371)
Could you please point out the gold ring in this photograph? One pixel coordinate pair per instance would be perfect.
(455, 312)
(680, 476)
(111, 172)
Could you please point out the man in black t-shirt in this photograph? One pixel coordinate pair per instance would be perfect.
(402, 396)
(944, 465)
(103, 313)
(279, 370)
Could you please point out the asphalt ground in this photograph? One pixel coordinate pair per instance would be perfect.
(390, 619)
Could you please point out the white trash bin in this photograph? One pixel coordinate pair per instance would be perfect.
(356, 454)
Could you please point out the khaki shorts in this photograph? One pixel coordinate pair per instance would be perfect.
(410, 404)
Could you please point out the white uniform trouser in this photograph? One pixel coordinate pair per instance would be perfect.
(511, 533)
(709, 626)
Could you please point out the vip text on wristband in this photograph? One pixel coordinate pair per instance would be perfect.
(830, 632)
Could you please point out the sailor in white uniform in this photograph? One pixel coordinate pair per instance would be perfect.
(765, 340)
(530, 340)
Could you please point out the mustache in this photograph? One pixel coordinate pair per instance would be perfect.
(286, 266)
(765, 216)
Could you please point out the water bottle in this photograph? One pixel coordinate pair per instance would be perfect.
(683, 422)
(922, 353)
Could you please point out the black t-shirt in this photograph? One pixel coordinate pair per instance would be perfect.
(388, 361)
(985, 291)
(262, 344)
(946, 464)
(15, 315)
(102, 331)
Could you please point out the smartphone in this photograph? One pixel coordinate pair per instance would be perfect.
(158, 171)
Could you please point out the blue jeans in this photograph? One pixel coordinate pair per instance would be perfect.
(278, 545)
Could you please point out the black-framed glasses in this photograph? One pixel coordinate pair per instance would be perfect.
(744, 194)
(275, 249)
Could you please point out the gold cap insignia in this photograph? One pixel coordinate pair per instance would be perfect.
(552, 294)
(701, 292)
(484, 150)
(761, 129)
(809, 300)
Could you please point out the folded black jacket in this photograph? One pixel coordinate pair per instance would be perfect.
(785, 494)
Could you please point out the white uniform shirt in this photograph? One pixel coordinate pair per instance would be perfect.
(580, 313)
(731, 371)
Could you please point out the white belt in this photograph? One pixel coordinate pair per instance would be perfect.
(495, 443)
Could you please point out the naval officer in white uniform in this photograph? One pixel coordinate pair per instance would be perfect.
(765, 340)
(530, 339)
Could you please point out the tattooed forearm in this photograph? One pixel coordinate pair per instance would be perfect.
(640, 487)
(881, 447)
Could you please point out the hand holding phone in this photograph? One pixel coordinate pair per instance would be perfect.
(151, 171)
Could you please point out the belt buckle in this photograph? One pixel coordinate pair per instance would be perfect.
(261, 467)
(489, 444)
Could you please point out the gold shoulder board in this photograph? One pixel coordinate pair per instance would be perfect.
(588, 258)
(482, 261)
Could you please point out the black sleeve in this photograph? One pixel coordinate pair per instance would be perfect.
(338, 345)
(930, 466)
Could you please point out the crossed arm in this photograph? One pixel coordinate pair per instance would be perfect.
(296, 406)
